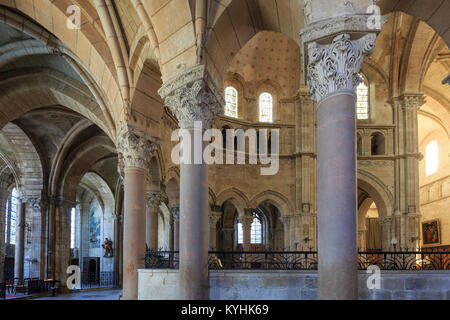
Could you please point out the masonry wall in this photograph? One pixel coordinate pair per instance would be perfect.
(295, 285)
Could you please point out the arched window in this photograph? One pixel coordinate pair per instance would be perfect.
(256, 233)
(362, 101)
(431, 160)
(265, 107)
(11, 222)
(231, 102)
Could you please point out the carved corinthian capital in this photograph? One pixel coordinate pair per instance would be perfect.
(134, 148)
(412, 101)
(193, 96)
(335, 67)
(156, 198)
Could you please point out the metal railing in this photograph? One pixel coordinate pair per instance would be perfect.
(91, 280)
(29, 286)
(304, 260)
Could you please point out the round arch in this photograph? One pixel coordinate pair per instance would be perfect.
(274, 198)
(236, 197)
(29, 165)
(53, 89)
(91, 61)
(378, 191)
(434, 13)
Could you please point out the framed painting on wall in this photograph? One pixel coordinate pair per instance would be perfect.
(431, 233)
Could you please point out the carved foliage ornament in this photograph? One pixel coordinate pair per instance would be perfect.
(193, 97)
(335, 67)
(134, 149)
(413, 102)
(155, 198)
(194, 103)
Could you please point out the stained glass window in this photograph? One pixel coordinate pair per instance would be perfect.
(265, 107)
(231, 102)
(431, 160)
(256, 230)
(362, 102)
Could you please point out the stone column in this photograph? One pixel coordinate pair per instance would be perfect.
(332, 76)
(4, 194)
(386, 233)
(408, 204)
(228, 239)
(37, 253)
(246, 221)
(176, 227)
(118, 247)
(194, 100)
(308, 235)
(154, 200)
(135, 151)
(214, 217)
(62, 240)
(20, 241)
(362, 239)
(286, 221)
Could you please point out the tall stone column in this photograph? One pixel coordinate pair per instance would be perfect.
(62, 240)
(194, 99)
(305, 170)
(135, 151)
(176, 227)
(214, 217)
(37, 253)
(154, 200)
(286, 221)
(408, 204)
(228, 234)
(332, 76)
(4, 194)
(386, 226)
(118, 236)
(246, 221)
(20, 241)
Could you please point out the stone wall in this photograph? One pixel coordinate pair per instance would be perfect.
(295, 285)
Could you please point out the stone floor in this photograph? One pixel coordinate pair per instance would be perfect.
(109, 294)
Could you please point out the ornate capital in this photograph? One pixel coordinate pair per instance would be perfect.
(247, 218)
(156, 198)
(412, 102)
(175, 213)
(335, 67)
(214, 217)
(193, 96)
(134, 147)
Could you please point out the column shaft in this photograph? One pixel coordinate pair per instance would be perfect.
(3, 201)
(152, 228)
(20, 239)
(194, 229)
(336, 197)
(133, 230)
